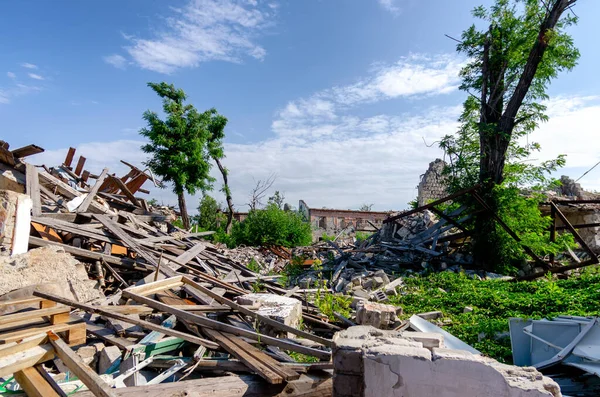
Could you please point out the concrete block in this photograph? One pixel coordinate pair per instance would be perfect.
(467, 309)
(376, 314)
(279, 308)
(399, 364)
(108, 357)
(430, 315)
(429, 340)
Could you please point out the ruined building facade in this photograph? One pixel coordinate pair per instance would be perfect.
(333, 221)
(433, 183)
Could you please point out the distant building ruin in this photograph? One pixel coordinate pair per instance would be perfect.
(333, 221)
(433, 184)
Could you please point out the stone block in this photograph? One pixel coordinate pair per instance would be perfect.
(279, 308)
(109, 356)
(376, 314)
(430, 315)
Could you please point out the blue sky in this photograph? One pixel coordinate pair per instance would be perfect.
(336, 97)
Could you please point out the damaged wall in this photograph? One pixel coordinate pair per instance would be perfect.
(370, 362)
(333, 221)
(433, 184)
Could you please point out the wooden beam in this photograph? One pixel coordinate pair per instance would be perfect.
(320, 385)
(80, 164)
(24, 359)
(58, 200)
(251, 362)
(430, 205)
(67, 191)
(69, 158)
(34, 384)
(83, 207)
(33, 188)
(144, 324)
(119, 183)
(576, 235)
(75, 331)
(33, 314)
(258, 317)
(213, 324)
(25, 151)
(76, 365)
(115, 229)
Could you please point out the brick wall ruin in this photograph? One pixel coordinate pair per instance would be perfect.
(433, 184)
(333, 221)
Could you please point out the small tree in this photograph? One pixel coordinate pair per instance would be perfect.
(278, 199)
(209, 214)
(178, 145)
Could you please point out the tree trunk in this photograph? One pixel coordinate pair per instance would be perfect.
(183, 211)
(227, 195)
(497, 124)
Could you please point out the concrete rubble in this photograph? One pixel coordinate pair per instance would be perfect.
(371, 362)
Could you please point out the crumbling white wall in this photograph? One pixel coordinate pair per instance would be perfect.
(372, 363)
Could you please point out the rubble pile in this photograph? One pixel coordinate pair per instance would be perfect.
(101, 292)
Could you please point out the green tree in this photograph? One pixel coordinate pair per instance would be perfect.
(510, 66)
(209, 213)
(278, 199)
(216, 126)
(178, 145)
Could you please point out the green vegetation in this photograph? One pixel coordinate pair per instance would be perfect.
(292, 271)
(326, 237)
(508, 73)
(494, 302)
(302, 358)
(210, 216)
(362, 236)
(272, 226)
(328, 303)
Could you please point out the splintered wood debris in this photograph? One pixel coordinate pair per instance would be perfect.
(169, 321)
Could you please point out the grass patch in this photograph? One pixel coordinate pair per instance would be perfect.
(494, 302)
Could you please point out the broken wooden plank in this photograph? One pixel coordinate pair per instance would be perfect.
(213, 324)
(80, 164)
(116, 229)
(76, 365)
(33, 188)
(24, 359)
(108, 335)
(34, 384)
(67, 191)
(119, 183)
(25, 151)
(75, 332)
(251, 362)
(144, 324)
(34, 314)
(83, 207)
(86, 254)
(263, 319)
(69, 158)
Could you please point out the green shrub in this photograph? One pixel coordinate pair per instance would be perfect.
(327, 237)
(271, 226)
(362, 236)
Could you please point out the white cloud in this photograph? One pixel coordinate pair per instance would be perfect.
(116, 60)
(11, 75)
(27, 65)
(201, 31)
(416, 74)
(390, 5)
(35, 76)
(16, 90)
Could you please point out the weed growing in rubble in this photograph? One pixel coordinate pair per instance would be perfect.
(329, 303)
(292, 271)
(362, 236)
(254, 266)
(494, 302)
